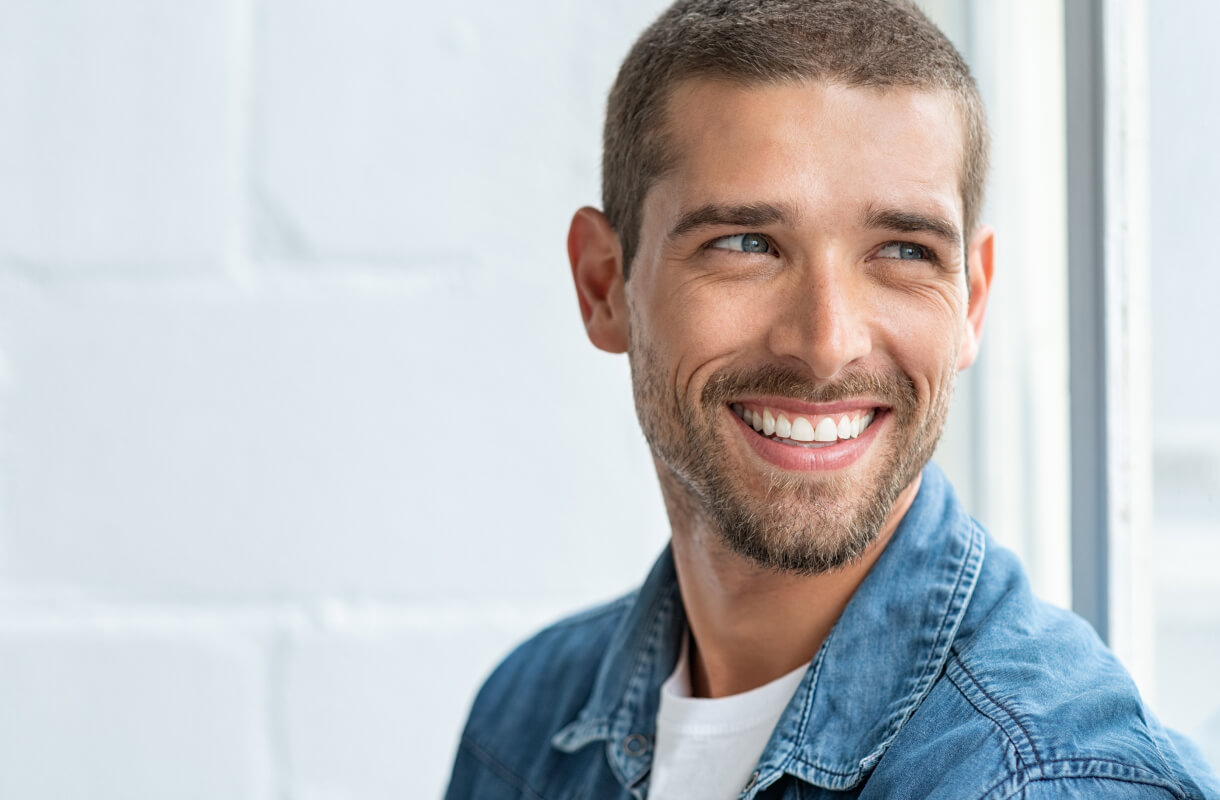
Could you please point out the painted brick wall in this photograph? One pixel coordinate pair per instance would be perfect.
(293, 386)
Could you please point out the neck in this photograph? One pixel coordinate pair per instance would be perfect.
(750, 624)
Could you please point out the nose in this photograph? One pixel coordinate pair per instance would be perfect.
(824, 322)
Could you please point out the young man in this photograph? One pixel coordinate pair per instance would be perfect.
(790, 255)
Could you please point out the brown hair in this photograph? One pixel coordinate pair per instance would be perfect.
(867, 43)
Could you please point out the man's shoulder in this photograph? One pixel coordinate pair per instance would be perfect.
(1031, 690)
(558, 664)
(539, 688)
(1045, 675)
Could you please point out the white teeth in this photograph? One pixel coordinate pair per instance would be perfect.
(802, 430)
(844, 431)
(827, 431)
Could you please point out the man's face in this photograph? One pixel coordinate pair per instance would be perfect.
(802, 271)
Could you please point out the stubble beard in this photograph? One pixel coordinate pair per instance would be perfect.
(795, 525)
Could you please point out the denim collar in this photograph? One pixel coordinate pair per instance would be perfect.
(876, 666)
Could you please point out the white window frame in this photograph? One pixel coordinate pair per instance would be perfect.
(1107, 112)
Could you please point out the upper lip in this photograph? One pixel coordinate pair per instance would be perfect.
(789, 405)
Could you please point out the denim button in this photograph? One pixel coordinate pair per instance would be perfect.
(635, 745)
(753, 780)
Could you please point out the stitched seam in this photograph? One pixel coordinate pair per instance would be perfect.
(957, 584)
(941, 643)
(612, 709)
(1160, 754)
(1089, 760)
(1026, 784)
(1146, 777)
(501, 771)
(820, 768)
(626, 704)
(794, 753)
(945, 634)
(957, 658)
(925, 684)
(927, 679)
(994, 721)
(1022, 776)
(641, 654)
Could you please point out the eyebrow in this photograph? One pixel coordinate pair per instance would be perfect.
(755, 215)
(914, 222)
(750, 215)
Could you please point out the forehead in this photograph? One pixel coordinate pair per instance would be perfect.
(814, 145)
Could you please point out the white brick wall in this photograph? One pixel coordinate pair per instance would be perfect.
(298, 428)
(116, 145)
(94, 711)
(374, 714)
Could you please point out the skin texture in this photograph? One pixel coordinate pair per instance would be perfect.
(848, 292)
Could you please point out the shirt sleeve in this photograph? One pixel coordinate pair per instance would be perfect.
(1196, 765)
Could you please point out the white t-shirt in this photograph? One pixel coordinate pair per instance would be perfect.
(708, 748)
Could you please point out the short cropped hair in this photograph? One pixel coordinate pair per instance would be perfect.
(864, 43)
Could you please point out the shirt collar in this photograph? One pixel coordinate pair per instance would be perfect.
(876, 666)
(622, 707)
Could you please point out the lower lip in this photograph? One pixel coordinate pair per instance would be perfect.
(826, 458)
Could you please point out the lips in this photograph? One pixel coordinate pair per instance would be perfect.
(817, 450)
(798, 424)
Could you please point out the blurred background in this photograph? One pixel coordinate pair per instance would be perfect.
(299, 430)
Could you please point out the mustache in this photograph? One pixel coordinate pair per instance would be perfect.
(897, 390)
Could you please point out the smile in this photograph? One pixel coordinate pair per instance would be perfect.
(804, 431)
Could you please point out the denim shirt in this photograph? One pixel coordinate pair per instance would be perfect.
(944, 677)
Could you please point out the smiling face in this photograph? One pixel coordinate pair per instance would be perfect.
(797, 311)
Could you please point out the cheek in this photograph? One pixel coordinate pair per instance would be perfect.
(923, 335)
(701, 328)
(929, 303)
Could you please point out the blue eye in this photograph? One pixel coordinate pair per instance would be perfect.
(744, 242)
(904, 251)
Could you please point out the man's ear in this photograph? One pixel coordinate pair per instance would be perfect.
(595, 255)
(980, 260)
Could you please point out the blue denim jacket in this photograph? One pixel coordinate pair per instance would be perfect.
(944, 677)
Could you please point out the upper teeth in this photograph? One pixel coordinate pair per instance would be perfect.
(805, 429)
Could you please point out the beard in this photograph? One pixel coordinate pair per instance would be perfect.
(792, 524)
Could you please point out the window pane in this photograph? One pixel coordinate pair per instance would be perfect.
(1184, 548)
